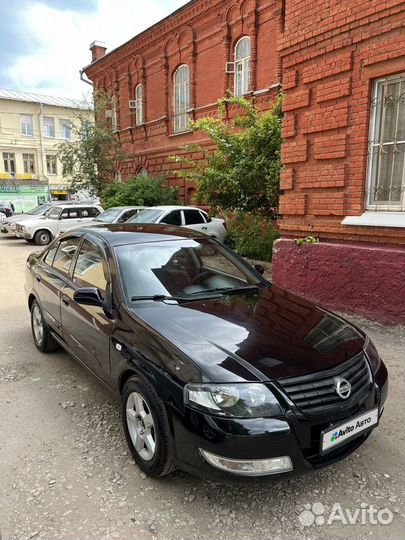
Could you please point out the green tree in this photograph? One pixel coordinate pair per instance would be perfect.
(138, 191)
(91, 158)
(243, 172)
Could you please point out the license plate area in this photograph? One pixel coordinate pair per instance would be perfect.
(336, 436)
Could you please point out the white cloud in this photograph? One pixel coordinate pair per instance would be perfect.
(63, 39)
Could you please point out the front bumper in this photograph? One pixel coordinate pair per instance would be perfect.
(23, 234)
(266, 438)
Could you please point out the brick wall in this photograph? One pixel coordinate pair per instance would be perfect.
(330, 52)
(203, 35)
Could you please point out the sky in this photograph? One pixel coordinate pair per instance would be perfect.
(44, 43)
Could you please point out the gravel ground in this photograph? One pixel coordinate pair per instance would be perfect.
(65, 471)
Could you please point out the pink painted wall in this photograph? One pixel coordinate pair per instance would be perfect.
(362, 279)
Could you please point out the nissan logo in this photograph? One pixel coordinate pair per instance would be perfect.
(343, 388)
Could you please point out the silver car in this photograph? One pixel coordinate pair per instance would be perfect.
(117, 214)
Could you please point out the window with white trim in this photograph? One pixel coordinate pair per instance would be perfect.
(51, 164)
(114, 117)
(29, 163)
(65, 129)
(181, 98)
(242, 67)
(386, 148)
(26, 125)
(49, 126)
(138, 105)
(9, 162)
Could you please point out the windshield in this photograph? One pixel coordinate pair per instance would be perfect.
(53, 213)
(39, 210)
(150, 215)
(187, 268)
(109, 216)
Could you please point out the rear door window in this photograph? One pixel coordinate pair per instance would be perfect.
(193, 217)
(90, 212)
(172, 218)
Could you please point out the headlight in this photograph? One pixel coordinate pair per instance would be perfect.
(372, 355)
(241, 400)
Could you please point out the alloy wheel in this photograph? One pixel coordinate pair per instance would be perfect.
(141, 426)
(37, 324)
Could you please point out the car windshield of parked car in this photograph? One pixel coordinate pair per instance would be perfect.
(39, 210)
(53, 213)
(187, 269)
(151, 215)
(109, 216)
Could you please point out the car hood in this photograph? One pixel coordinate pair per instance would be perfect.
(34, 221)
(19, 217)
(265, 335)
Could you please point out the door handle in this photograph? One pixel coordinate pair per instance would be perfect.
(65, 300)
(38, 278)
(204, 228)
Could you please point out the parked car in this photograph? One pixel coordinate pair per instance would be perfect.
(183, 216)
(9, 225)
(117, 214)
(5, 209)
(219, 372)
(57, 220)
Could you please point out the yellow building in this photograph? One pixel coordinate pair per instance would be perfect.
(31, 128)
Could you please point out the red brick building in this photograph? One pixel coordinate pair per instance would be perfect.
(179, 68)
(344, 177)
(342, 67)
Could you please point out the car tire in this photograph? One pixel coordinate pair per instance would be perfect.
(43, 238)
(43, 339)
(146, 428)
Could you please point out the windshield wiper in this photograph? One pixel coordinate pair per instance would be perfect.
(157, 298)
(162, 297)
(228, 290)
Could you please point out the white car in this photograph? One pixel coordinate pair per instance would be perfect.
(183, 216)
(8, 226)
(57, 220)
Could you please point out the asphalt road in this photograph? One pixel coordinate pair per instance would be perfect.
(65, 471)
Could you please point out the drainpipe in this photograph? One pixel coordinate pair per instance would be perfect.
(82, 78)
(41, 144)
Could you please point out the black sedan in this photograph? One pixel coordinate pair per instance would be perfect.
(219, 372)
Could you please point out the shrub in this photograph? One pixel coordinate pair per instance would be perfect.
(251, 236)
(139, 191)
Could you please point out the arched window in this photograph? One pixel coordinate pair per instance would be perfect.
(114, 115)
(138, 105)
(242, 66)
(181, 98)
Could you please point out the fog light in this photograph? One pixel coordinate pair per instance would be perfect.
(249, 467)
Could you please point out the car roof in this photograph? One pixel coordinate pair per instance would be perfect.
(126, 208)
(134, 233)
(178, 207)
(77, 205)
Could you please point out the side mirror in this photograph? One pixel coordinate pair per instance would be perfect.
(209, 219)
(259, 268)
(88, 296)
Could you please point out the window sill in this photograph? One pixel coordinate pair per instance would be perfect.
(177, 133)
(377, 219)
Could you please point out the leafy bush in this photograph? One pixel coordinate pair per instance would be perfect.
(251, 236)
(243, 172)
(139, 191)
